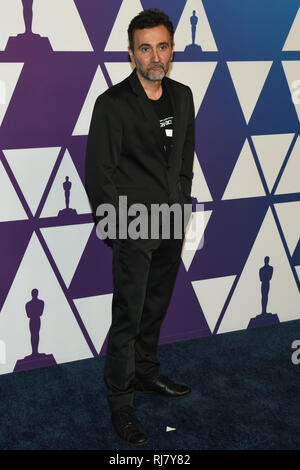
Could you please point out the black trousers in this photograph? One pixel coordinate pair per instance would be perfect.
(144, 272)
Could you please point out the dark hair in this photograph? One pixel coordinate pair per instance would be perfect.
(148, 19)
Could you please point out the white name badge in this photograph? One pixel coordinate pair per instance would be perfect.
(169, 132)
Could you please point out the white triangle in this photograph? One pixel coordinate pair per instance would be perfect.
(118, 39)
(32, 168)
(194, 237)
(183, 33)
(292, 42)
(211, 295)
(95, 313)
(248, 79)
(60, 334)
(118, 71)
(2, 92)
(11, 207)
(292, 72)
(11, 21)
(244, 181)
(61, 23)
(97, 87)
(196, 75)
(9, 75)
(56, 197)
(66, 245)
(290, 181)
(168, 428)
(199, 188)
(288, 213)
(283, 297)
(271, 151)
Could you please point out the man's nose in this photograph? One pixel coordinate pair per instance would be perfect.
(155, 56)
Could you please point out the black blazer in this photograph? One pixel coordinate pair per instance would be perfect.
(125, 148)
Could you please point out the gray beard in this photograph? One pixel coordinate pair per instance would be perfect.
(148, 75)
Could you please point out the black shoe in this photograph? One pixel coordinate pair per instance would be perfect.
(128, 426)
(162, 385)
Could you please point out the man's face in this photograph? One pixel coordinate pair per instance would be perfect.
(152, 52)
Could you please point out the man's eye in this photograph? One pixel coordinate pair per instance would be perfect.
(145, 49)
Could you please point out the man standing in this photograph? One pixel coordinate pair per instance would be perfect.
(141, 145)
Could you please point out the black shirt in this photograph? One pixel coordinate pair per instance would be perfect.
(164, 111)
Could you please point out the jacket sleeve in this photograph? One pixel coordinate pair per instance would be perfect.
(186, 172)
(102, 153)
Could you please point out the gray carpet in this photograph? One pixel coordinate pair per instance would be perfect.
(245, 396)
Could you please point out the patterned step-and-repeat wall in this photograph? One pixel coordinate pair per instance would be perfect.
(242, 61)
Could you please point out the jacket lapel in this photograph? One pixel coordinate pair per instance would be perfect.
(148, 110)
(176, 115)
(146, 106)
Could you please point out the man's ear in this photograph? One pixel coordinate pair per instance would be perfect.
(130, 54)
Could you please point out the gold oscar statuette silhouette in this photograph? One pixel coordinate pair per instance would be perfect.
(28, 43)
(34, 310)
(264, 318)
(193, 49)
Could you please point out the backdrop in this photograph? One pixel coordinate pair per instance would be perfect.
(242, 62)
